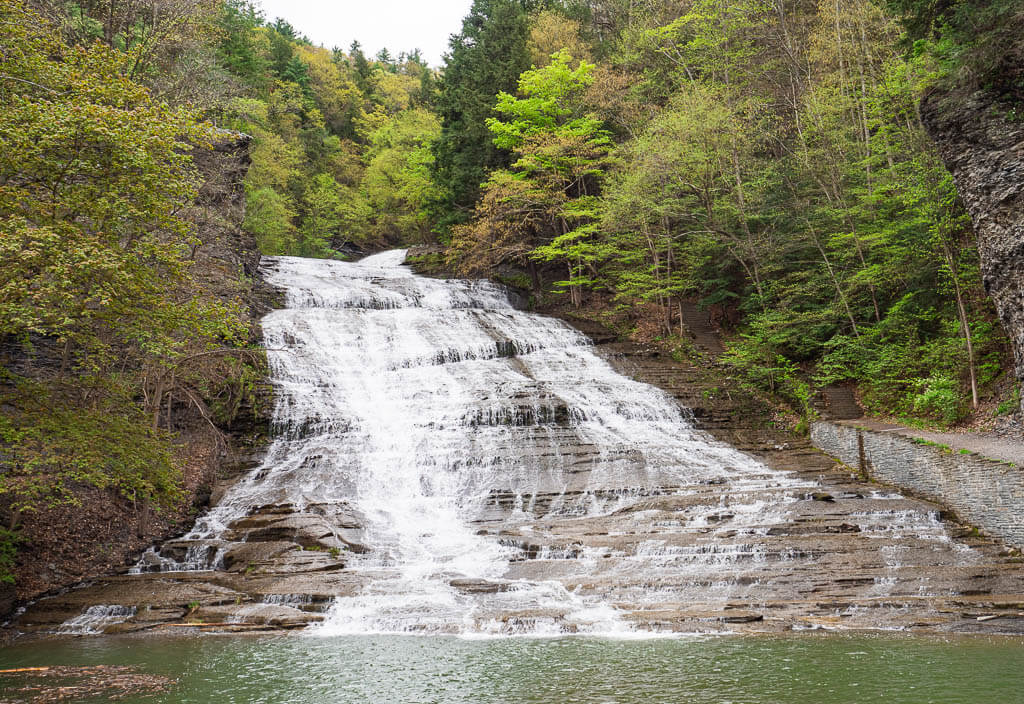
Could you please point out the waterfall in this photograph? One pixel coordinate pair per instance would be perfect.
(414, 404)
(482, 471)
(95, 619)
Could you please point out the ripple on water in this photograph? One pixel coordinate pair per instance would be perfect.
(808, 669)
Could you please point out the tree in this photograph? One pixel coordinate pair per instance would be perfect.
(243, 49)
(550, 32)
(397, 178)
(153, 32)
(321, 217)
(486, 57)
(561, 153)
(96, 268)
(334, 92)
(270, 217)
(978, 42)
(361, 65)
(680, 204)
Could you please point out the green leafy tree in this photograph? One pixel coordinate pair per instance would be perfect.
(321, 217)
(562, 152)
(486, 57)
(397, 180)
(977, 42)
(96, 267)
(243, 48)
(680, 204)
(270, 217)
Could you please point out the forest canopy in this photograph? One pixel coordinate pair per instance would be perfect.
(763, 160)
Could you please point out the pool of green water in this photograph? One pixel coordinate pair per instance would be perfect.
(800, 669)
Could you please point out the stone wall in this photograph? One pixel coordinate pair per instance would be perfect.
(985, 493)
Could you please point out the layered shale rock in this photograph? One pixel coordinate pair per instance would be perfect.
(982, 143)
(445, 463)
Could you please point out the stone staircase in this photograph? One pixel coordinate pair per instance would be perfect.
(837, 403)
(702, 331)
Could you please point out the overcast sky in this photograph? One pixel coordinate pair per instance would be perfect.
(399, 25)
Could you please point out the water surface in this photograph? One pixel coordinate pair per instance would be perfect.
(804, 669)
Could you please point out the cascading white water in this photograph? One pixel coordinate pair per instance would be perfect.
(95, 619)
(452, 431)
(443, 462)
(410, 401)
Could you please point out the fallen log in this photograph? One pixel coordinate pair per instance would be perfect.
(24, 669)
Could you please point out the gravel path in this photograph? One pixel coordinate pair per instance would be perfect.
(992, 446)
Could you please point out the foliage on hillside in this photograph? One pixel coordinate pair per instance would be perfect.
(977, 43)
(486, 57)
(768, 162)
(342, 143)
(103, 328)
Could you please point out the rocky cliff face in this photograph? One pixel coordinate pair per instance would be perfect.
(66, 544)
(227, 261)
(982, 144)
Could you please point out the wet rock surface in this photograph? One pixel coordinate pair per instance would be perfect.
(564, 522)
(848, 554)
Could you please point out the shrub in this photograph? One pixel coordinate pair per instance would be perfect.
(938, 397)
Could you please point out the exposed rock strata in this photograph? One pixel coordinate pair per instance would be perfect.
(919, 584)
(845, 554)
(983, 147)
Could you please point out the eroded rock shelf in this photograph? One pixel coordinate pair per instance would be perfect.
(446, 463)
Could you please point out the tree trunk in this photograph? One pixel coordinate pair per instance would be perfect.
(158, 398)
(965, 324)
(835, 283)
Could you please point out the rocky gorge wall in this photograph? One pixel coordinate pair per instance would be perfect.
(981, 141)
(104, 532)
(986, 493)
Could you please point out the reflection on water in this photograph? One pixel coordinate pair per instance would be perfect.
(809, 669)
